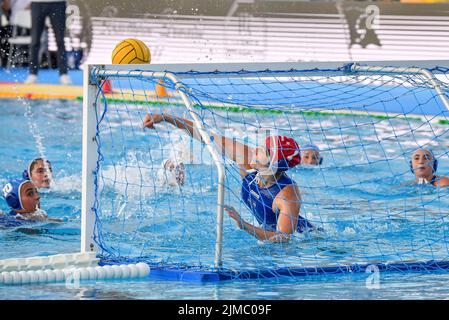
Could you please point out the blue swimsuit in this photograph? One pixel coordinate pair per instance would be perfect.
(260, 202)
(10, 220)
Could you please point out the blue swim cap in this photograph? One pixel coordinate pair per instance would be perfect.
(313, 148)
(25, 175)
(11, 193)
(27, 172)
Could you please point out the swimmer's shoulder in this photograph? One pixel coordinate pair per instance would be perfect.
(443, 181)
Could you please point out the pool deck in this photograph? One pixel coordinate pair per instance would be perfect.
(48, 87)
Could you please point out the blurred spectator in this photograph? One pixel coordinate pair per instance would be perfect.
(5, 32)
(55, 10)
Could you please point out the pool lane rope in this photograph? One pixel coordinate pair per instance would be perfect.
(73, 275)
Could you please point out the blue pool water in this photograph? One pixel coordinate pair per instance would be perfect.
(390, 222)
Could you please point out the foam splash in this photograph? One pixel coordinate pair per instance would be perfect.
(34, 129)
(66, 184)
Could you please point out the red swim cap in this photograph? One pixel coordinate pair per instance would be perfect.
(287, 151)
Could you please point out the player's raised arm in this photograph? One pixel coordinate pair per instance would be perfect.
(231, 148)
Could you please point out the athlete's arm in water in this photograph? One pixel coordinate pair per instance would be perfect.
(37, 216)
(234, 150)
(55, 220)
(288, 204)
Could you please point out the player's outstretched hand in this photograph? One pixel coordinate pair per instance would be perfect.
(234, 215)
(151, 120)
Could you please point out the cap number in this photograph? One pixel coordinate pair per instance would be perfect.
(7, 189)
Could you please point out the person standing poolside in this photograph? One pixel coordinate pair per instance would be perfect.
(55, 10)
(272, 197)
(424, 165)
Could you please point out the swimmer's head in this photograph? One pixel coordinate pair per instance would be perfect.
(175, 172)
(423, 163)
(39, 171)
(21, 195)
(311, 155)
(279, 154)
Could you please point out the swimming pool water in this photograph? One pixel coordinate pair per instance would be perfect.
(387, 216)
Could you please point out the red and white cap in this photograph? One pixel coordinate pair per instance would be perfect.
(284, 152)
